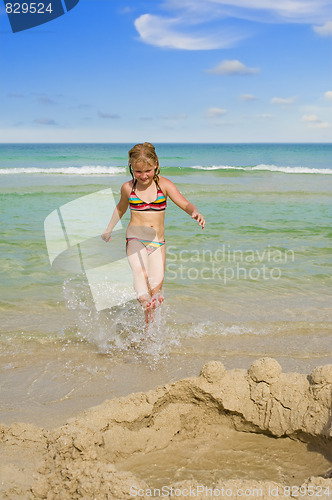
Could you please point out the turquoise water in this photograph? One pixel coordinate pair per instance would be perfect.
(261, 266)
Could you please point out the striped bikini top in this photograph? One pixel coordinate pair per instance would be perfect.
(136, 203)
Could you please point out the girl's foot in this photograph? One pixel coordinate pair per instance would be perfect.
(160, 298)
(150, 306)
(155, 301)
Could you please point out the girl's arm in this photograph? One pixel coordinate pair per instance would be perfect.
(119, 211)
(175, 195)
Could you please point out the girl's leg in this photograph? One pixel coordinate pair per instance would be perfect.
(156, 271)
(138, 261)
(148, 272)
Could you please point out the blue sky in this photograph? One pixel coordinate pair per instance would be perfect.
(171, 71)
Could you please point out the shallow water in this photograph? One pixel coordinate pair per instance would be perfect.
(228, 455)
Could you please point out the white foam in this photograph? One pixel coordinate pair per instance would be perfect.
(85, 170)
(292, 170)
(111, 170)
(271, 168)
(217, 167)
(207, 328)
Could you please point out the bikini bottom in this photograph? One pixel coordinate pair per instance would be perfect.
(150, 246)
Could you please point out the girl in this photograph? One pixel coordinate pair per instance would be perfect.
(146, 194)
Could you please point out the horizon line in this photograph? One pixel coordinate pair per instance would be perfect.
(171, 142)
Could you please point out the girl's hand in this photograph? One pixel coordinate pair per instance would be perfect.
(106, 236)
(199, 217)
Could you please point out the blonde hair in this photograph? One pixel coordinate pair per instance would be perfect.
(144, 153)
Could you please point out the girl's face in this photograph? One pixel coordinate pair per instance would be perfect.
(144, 172)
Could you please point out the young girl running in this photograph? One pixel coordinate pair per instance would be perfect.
(146, 194)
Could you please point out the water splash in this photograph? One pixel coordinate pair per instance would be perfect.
(121, 329)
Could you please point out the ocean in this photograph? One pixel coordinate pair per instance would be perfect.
(255, 282)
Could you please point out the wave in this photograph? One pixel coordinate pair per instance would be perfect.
(112, 170)
(271, 168)
(85, 170)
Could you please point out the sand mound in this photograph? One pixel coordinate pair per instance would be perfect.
(98, 454)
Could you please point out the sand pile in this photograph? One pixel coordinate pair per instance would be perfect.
(176, 437)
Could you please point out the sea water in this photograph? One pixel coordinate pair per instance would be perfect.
(256, 281)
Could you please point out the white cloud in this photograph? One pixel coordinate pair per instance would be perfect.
(321, 125)
(45, 121)
(43, 99)
(215, 112)
(233, 67)
(264, 116)
(15, 95)
(108, 116)
(325, 29)
(283, 100)
(175, 118)
(328, 95)
(126, 10)
(295, 11)
(248, 97)
(314, 122)
(309, 118)
(191, 24)
(168, 33)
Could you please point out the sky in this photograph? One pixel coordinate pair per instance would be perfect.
(170, 71)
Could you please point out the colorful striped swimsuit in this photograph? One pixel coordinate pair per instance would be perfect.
(136, 204)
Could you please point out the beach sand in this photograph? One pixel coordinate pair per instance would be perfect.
(256, 430)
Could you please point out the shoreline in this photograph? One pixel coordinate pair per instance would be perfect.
(98, 454)
(48, 382)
